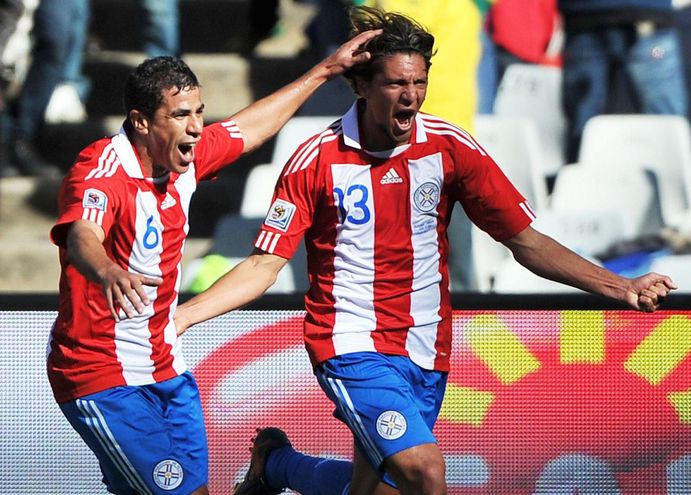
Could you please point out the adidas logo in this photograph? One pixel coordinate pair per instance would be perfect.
(391, 177)
(168, 202)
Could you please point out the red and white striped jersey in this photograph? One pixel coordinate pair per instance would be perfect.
(145, 222)
(375, 232)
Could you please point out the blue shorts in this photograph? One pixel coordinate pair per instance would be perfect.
(388, 402)
(148, 439)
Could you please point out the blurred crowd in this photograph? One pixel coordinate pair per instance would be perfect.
(47, 85)
(593, 41)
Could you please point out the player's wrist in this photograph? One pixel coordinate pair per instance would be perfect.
(181, 321)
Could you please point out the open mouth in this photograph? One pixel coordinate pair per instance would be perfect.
(187, 152)
(404, 120)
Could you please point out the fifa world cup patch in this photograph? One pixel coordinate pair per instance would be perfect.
(93, 198)
(280, 215)
(391, 425)
(168, 474)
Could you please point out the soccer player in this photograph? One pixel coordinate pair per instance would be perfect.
(115, 363)
(371, 195)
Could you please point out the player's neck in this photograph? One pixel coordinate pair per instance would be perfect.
(142, 152)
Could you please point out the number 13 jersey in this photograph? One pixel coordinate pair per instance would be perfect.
(374, 225)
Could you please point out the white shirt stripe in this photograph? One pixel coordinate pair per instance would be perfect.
(353, 283)
(307, 154)
(107, 156)
(426, 182)
(528, 210)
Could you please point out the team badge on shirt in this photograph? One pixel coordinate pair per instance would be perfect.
(168, 474)
(426, 197)
(93, 198)
(280, 214)
(391, 425)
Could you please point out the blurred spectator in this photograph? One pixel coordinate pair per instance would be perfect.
(327, 30)
(161, 30)
(604, 36)
(526, 31)
(487, 81)
(518, 31)
(10, 12)
(160, 36)
(50, 35)
(66, 103)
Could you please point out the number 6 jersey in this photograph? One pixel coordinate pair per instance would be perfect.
(145, 221)
(374, 225)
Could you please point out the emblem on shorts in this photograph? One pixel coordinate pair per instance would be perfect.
(426, 197)
(391, 425)
(168, 474)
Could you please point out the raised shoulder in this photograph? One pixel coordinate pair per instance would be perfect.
(96, 161)
(436, 126)
(307, 152)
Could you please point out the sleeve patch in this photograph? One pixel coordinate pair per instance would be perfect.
(280, 215)
(93, 198)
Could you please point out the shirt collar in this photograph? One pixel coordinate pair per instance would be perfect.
(351, 131)
(129, 160)
(126, 154)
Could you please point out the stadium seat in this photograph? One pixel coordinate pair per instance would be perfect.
(514, 144)
(658, 143)
(588, 233)
(513, 278)
(259, 189)
(676, 266)
(534, 91)
(261, 180)
(488, 254)
(628, 200)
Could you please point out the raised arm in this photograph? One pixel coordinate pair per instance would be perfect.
(247, 281)
(265, 117)
(121, 288)
(547, 258)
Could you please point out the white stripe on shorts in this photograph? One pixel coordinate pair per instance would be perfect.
(98, 425)
(354, 420)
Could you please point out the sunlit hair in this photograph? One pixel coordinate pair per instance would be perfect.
(400, 34)
(145, 85)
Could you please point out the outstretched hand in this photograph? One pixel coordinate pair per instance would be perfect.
(649, 291)
(125, 290)
(350, 53)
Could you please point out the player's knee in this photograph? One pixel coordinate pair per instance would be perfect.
(426, 477)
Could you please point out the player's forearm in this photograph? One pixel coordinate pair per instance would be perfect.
(265, 117)
(547, 258)
(86, 252)
(243, 284)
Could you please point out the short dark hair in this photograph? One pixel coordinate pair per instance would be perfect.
(401, 34)
(145, 85)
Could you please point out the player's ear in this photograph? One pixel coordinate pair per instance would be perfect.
(140, 123)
